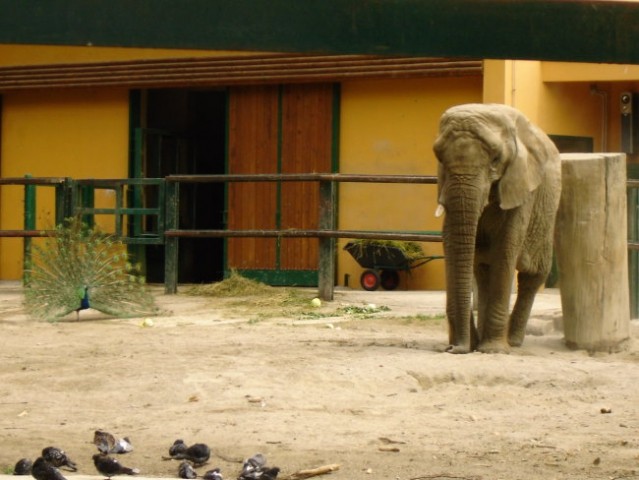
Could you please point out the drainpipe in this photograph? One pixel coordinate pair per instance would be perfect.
(604, 114)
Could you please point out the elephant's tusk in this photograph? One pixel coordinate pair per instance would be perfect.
(440, 210)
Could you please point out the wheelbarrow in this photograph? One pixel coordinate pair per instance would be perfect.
(382, 264)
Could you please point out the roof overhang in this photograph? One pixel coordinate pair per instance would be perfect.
(563, 30)
(227, 71)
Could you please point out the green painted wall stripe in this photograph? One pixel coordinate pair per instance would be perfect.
(594, 31)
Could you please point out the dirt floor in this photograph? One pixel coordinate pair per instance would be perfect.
(361, 382)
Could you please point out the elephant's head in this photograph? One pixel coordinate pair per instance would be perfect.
(487, 154)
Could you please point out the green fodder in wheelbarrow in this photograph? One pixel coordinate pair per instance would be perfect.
(410, 250)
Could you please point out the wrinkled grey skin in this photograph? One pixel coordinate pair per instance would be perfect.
(499, 182)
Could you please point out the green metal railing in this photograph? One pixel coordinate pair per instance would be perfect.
(77, 197)
(29, 230)
(127, 195)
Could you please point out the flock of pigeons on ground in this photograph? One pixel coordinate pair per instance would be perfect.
(46, 467)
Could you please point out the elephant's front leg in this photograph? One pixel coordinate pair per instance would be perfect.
(527, 284)
(494, 331)
(482, 279)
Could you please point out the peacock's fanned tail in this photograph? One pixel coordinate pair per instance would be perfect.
(80, 267)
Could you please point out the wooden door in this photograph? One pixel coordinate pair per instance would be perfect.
(253, 148)
(278, 129)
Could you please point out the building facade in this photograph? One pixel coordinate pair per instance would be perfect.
(88, 112)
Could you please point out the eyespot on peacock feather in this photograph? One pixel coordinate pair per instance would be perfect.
(80, 268)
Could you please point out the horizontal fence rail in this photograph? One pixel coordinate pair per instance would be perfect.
(168, 214)
(326, 233)
(294, 233)
(33, 181)
(304, 177)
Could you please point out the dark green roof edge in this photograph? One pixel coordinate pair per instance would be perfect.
(600, 31)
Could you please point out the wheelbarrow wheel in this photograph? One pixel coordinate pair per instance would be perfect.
(389, 279)
(369, 280)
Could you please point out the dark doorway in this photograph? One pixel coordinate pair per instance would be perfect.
(186, 134)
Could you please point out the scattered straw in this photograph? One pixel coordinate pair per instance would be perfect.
(234, 286)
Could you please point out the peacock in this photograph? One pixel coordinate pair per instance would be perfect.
(79, 267)
(83, 295)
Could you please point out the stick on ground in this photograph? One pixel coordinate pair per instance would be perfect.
(313, 472)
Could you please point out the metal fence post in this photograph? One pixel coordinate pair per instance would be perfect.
(64, 200)
(29, 224)
(171, 243)
(326, 268)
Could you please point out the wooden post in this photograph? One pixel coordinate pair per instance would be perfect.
(171, 243)
(326, 268)
(592, 252)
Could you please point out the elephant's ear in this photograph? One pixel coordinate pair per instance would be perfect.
(530, 150)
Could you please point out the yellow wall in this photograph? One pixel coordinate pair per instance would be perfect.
(388, 127)
(557, 108)
(588, 72)
(76, 133)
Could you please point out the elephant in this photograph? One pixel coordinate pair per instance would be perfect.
(499, 183)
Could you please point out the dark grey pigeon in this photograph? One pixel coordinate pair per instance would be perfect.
(270, 473)
(110, 467)
(198, 453)
(43, 470)
(213, 475)
(58, 458)
(186, 470)
(254, 468)
(178, 449)
(267, 473)
(23, 467)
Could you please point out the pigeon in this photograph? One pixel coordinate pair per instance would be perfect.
(254, 468)
(110, 466)
(23, 467)
(198, 453)
(255, 462)
(178, 449)
(261, 474)
(186, 470)
(43, 470)
(213, 475)
(107, 443)
(58, 458)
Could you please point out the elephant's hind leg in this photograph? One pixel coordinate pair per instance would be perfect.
(528, 284)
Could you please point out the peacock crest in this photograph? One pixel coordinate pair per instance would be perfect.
(80, 267)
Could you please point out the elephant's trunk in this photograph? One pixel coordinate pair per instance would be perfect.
(463, 208)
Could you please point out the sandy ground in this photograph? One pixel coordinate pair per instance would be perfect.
(372, 392)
